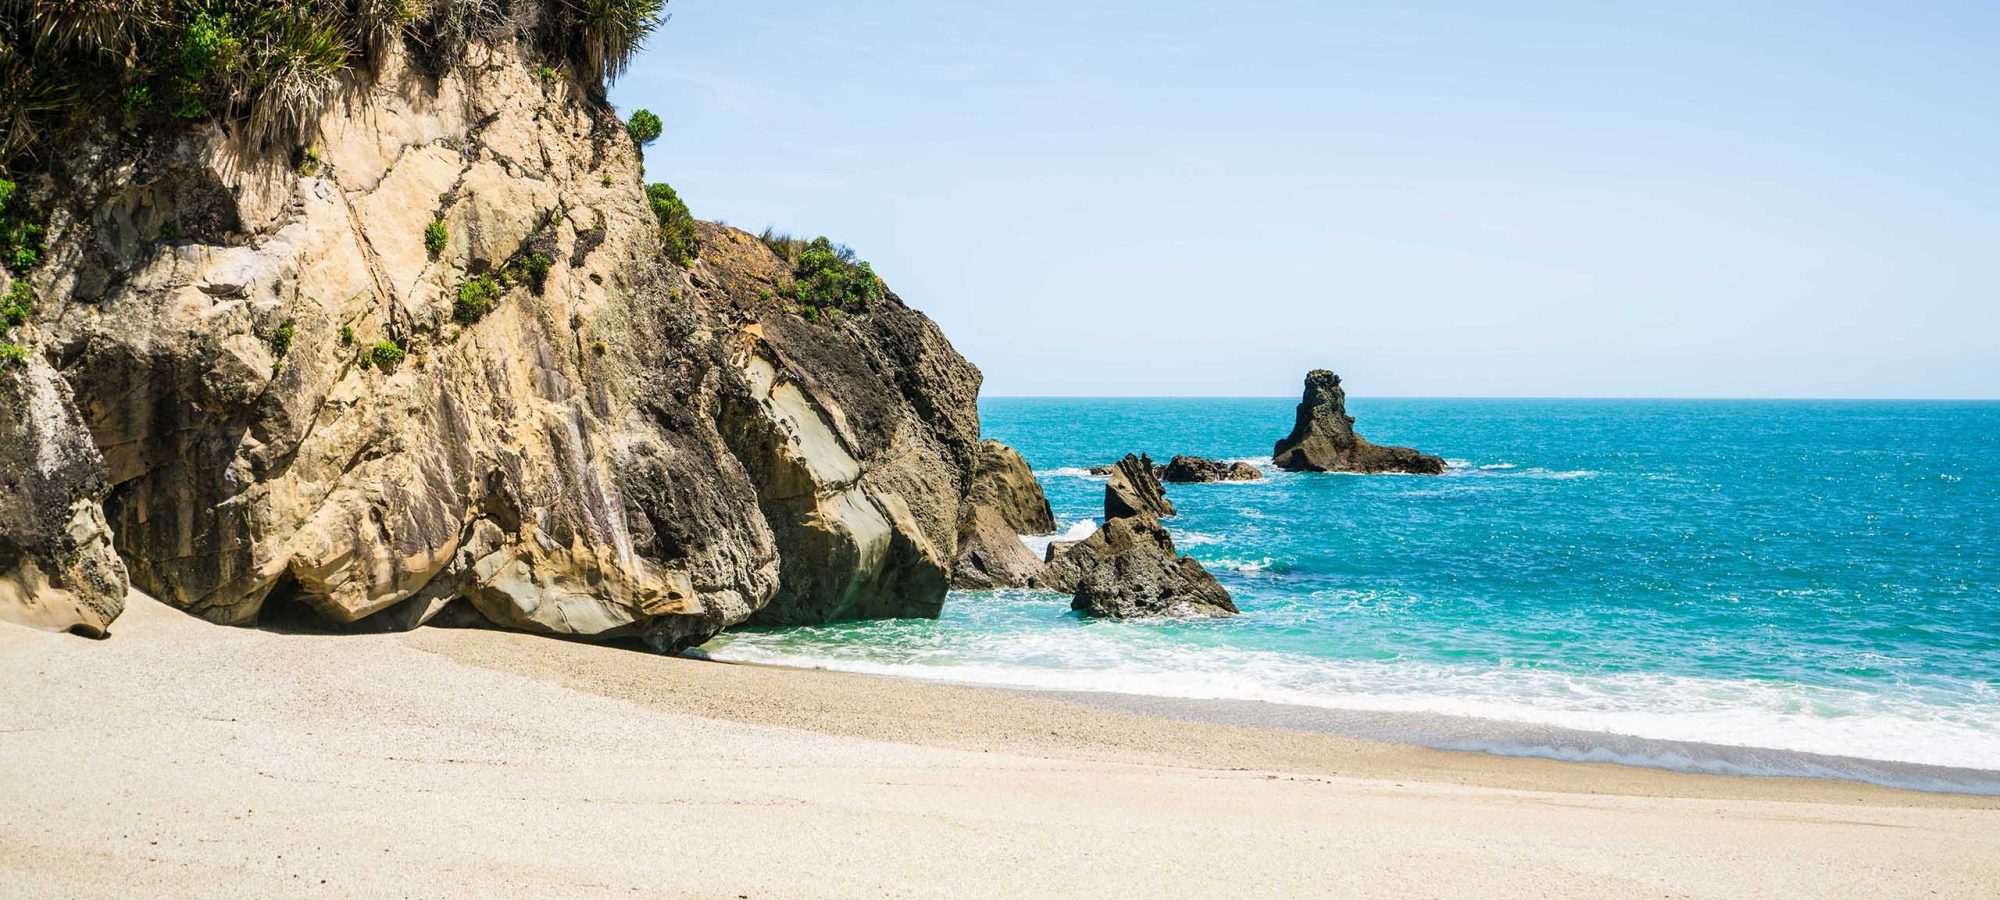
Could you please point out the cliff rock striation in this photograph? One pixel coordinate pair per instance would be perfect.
(1323, 438)
(433, 357)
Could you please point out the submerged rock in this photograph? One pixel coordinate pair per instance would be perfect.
(58, 570)
(1198, 470)
(1134, 490)
(1129, 569)
(1323, 438)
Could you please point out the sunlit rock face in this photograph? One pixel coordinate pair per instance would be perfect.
(294, 411)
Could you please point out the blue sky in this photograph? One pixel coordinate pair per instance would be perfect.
(1477, 199)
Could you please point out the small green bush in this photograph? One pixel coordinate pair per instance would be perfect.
(678, 239)
(309, 163)
(20, 235)
(475, 297)
(644, 126)
(435, 237)
(346, 335)
(19, 304)
(13, 355)
(826, 275)
(545, 72)
(386, 354)
(537, 266)
(281, 338)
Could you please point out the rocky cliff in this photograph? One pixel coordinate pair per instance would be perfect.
(433, 357)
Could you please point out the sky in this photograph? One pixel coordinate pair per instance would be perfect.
(1178, 198)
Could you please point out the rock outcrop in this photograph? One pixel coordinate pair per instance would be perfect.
(1129, 569)
(58, 570)
(1199, 470)
(990, 553)
(1004, 502)
(1323, 438)
(1002, 481)
(297, 404)
(1134, 490)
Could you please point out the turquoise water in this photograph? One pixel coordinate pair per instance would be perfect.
(1805, 576)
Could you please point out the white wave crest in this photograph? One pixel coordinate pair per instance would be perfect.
(1077, 530)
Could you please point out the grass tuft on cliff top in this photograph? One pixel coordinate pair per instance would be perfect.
(265, 70)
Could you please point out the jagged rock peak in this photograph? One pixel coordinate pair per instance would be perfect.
(1129, 569)
(1323, 438)
(1134, 490)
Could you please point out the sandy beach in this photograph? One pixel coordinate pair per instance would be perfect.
(179, 758)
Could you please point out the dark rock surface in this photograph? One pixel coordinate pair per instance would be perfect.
(58, 570)
(1129, 569)
(1323, 438)
(990, 553)
(1134, 490)
(1199, 470)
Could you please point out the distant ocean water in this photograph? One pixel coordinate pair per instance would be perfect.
(1819, 578)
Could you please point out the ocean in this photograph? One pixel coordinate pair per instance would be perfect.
(1763, 587)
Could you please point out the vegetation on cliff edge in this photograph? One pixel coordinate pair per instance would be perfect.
(264, 69)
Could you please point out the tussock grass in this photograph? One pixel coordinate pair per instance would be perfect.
(265, 69)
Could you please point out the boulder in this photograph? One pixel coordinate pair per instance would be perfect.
(58, 570)
(1003, 502)
(1129, 569)
(1197, 470)
(1323, 438)
(990, 553)
(1134, 490)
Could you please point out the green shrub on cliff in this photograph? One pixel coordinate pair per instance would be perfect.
(475, 297)
(20, 234)
(644, 127)
(386, 354)
(12, 355)
(19, 304)
(678, 239)
(825, 275)
(263, 69)
(435, 237)
(281, 338)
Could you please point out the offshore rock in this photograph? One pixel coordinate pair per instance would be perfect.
(617, 446)
(58, 570)
(1198, 470)
(1323, 438)
(1129, 569)
(1135, 491)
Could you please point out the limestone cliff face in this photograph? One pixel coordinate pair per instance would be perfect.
(289, 412)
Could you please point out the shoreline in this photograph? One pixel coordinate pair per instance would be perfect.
(1487, 737)
(184, 758)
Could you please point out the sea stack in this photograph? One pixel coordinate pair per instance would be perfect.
(1134, 489)
(1200, 470)
(1129, 568)
(1323, 438)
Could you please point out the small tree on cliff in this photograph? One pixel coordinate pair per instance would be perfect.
(645, 128)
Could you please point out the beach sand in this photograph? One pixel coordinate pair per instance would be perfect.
(179, 758)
